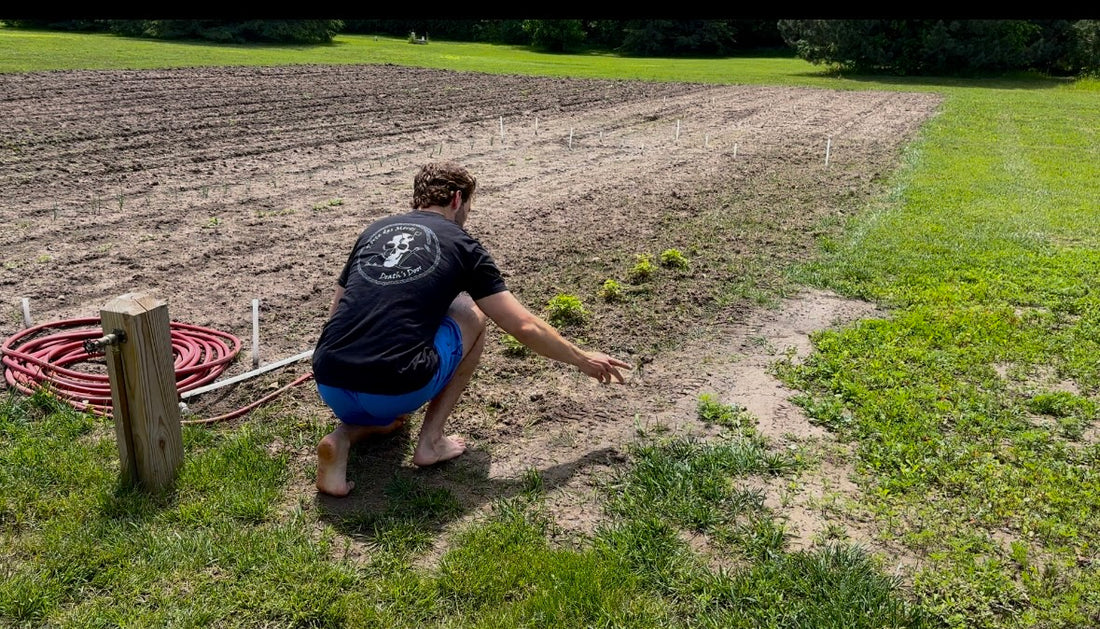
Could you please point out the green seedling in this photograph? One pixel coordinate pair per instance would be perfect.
(611, 291)
(642, 269)
(566, 310)
(673, 259)
(512, 346)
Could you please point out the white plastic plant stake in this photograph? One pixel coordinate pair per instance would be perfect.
(255, 333)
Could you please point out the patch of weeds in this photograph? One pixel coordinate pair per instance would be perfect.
(503, 573)
(652, 549)
(1061, 404)
(765, 345)
(404, 525)
(513, 348)
(969, 591)
(566, 310)
(692, 483)
(710, 410)
(324, 205)
(268, 213)
(212, 223)
(831, 587)
(674, 259)
(642, 270)
(1073, 412)
(611, 290)
(827, 411)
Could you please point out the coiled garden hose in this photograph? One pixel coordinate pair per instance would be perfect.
(34, 359)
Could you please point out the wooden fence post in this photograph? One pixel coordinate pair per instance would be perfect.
(141, 368)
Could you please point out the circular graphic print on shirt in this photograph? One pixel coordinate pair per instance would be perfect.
(398, 253)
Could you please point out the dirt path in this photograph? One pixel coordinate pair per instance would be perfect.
(212, 187)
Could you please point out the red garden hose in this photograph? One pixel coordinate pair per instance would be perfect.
(32, 361)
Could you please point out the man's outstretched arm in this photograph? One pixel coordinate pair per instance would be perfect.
(512, 317)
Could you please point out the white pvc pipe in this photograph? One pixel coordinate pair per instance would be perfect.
(27, 312)
(245, 376)
(828, 145)
(570, 138)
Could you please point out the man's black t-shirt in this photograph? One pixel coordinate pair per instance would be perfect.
(399, 281)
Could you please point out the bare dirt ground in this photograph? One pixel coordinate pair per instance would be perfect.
(209, 188)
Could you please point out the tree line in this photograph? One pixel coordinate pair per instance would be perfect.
(900, 47)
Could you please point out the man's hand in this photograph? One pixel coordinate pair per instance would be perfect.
(602, 367)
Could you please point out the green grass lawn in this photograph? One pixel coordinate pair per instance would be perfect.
(972, 408)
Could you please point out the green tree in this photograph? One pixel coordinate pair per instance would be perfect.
(1085, 56)
(939, 47)
(229, 31)
(555, 35)
(650, 38)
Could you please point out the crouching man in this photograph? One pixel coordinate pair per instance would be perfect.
(407, 326)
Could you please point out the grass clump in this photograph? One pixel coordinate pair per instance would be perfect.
(566, 310)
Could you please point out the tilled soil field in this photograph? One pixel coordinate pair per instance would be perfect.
(209, 188)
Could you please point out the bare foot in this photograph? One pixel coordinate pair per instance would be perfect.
(332, 464)
(332, 454)
(442, 449)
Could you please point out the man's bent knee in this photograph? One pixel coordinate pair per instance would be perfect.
(468, 316)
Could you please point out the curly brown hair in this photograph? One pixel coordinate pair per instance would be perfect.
(436, 183)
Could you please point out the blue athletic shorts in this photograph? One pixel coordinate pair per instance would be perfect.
(371, 409)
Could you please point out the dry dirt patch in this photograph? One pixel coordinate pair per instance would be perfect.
(212, 187)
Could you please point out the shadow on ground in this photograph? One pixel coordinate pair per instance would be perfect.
(391, 495)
